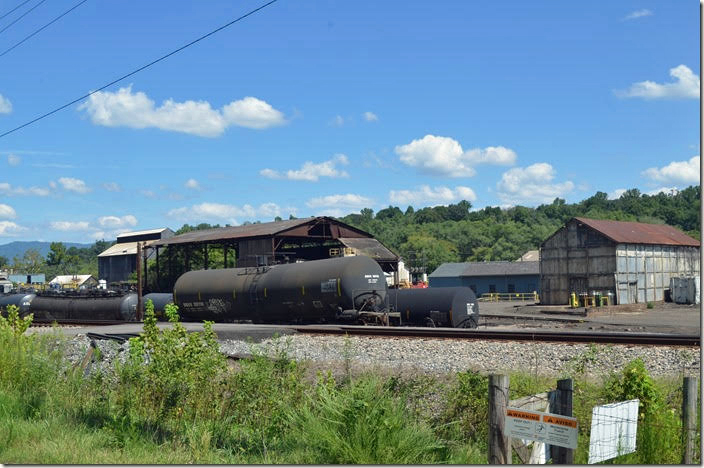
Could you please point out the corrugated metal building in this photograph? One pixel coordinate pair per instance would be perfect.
(119, 261)
(27, 278)
(489, 277)
(268, 243)
(632, 261)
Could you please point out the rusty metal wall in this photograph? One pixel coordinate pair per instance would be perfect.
(644, 271)
(577, 259)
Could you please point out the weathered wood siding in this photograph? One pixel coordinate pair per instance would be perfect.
(581, 260)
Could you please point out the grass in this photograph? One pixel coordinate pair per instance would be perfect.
(176, 401)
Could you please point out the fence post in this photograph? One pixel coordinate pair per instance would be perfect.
(689, 418)
(563, 406)
(499, 443)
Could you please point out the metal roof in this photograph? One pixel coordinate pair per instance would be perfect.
(468, 269)
(251, 230)
(126, 248)
(142, 233)
(625, 232)
(448, 270)
(530, 256)
(370, 247)
(68, 279)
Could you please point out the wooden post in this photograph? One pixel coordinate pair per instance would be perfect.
(499, 443)
(689, 418)
(140, 306)
(563, 406)
(158, 279)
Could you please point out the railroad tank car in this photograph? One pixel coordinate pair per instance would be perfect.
(160, 301)
(21, 300)
(64, 306)
(315, 291)
(455, 307)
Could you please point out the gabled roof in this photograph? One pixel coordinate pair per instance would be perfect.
(468, 269)
(69, 279)
(448, 270)
(626, 232)
(291, 227)
(142, 233)
(370, 247)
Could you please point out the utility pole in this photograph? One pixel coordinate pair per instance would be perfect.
(140, 306)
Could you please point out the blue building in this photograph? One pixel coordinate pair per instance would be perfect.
(489, 277)
(27, 278)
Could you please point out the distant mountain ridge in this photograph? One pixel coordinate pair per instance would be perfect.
(20, 247)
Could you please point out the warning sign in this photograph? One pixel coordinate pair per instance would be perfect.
(552, 429)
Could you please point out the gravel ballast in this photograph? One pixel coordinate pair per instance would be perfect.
(446, 356)
(436, 356)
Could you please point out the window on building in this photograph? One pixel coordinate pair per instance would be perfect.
(492, 288)
(511, 288)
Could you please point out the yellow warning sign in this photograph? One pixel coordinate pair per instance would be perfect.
(550, 419)
(532, 416)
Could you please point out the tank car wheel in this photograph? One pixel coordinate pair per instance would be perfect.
(429, 323)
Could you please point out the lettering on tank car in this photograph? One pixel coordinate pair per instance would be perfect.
(217, 306)
(372, 279)
(329, 286)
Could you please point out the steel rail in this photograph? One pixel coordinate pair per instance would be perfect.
(659, 339)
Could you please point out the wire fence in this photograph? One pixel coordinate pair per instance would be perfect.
(658, 426)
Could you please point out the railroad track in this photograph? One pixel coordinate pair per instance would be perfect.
(656, 339)
(659, 339)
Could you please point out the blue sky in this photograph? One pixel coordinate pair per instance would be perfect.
(328, 107)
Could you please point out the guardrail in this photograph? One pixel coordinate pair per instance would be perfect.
(496, 297)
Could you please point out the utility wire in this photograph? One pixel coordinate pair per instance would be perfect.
(21, 16)
(140, 68)
(25, 1)
(45, 26)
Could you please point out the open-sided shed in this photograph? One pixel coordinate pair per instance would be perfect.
(259, 244)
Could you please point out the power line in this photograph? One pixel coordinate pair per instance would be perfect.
(25, 1)
(45, 26)
(251, 12)
(21, 16)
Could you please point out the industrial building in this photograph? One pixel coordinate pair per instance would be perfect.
(260, 244)
(489, 277)
(627, 261)
(73, 282)
(116, 263)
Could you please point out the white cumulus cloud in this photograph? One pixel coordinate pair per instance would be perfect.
(616, 194)
(638, 14)
(192, 184)
(112, 187)
(339, 205)
(427, 196)
(531, 185)
(219, 212)
(5, 105)
(13, 160)
(136, 110)
(337, 121)
(71, 225)
(682, 172)
(9, 190)
(9, 229)
(370, 116)
(445, 156)
(310, 171)
(685, 86)
(7, 212)
(116, 222)
(74, 185)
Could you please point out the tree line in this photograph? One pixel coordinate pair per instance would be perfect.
(430, 236)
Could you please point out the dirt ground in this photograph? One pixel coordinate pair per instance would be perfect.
(664, 317)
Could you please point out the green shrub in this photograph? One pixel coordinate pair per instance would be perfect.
(359, 423)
